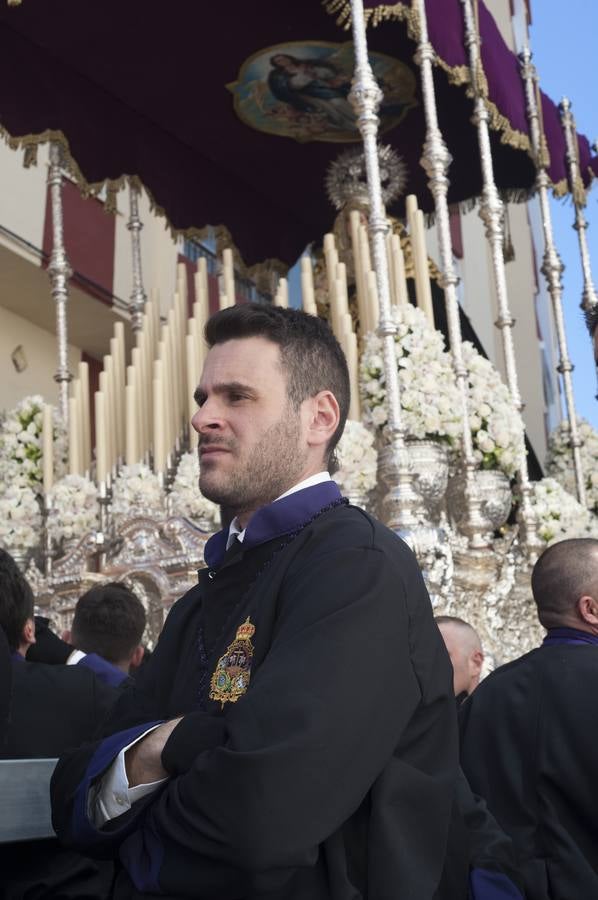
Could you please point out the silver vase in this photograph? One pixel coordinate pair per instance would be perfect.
(422, 496)
(493, 491)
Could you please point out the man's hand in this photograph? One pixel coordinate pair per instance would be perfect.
(143, 761)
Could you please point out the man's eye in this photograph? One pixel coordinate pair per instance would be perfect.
(236, 397)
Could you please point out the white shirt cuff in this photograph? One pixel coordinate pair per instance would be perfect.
(112, 795)
(75, 656)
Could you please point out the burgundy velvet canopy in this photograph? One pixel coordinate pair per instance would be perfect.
(230, 113)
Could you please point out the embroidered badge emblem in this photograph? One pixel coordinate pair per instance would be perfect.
(231, 675)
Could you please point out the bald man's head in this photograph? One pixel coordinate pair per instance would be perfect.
(565, 585)
(465, 650)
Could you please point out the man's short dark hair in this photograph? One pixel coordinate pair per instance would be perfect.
(16, 600)
(309, 351)
(591, 317)
(109, 620)
(564, 572)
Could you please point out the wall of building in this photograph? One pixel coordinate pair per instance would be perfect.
(39, 348)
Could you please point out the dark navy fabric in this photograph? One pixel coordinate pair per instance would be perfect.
(485, 885)
(277, 519)
(568, 636)
(102, 758)
(106, 671)
(16, 656)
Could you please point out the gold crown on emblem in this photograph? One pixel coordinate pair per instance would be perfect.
(245, 631)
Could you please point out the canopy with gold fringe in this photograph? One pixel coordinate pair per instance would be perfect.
(231, 113)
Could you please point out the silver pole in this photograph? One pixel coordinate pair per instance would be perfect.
(492, 215)
(60, 273)
(365, 98)
(436, 160)
(138, 295)
(552, 266)
(589, 296)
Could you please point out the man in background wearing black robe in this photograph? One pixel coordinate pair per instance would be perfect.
(530, 733)
(294, 734)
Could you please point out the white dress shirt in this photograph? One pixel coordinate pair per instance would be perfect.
(113, 796)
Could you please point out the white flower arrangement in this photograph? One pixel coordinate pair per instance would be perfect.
(20, 518)
(559, 460)
(429, 397)
(559, 515)
(185, 497)
(74, 507)
(496, 426)
(21, 444)
(136, 489)
(358, 460)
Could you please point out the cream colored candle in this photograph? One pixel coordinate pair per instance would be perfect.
(131, 444)
(78, 398)
(118, 376)
(48, 447)
(373, 308)
(308, 296)
(192, 381)
(86, 415)
(417, 234)
(202, 292)
(282, 294)
(101, 442)
(423, 271)
(159, 419)
(371, 315)
(228, 276)
(108, 387)
(73, 451)
(398, 270)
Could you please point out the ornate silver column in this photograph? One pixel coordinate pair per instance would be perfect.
(138, 295)
(436, 160)
(589, 296)
(552, 266)
(365, 98)
(492, 215)
(60, 273)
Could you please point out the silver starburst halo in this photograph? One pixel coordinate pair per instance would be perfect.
(346, 181)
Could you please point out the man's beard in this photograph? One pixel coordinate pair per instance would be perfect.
(274, 465)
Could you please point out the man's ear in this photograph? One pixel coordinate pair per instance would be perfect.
(477, 660)
(587, 609)
(323, 418)
(66, 635)
(29, 632)
(136, 657)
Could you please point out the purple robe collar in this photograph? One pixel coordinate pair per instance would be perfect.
(568, 636)
(277, 519)
(17, 657)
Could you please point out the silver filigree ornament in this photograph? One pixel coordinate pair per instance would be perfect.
(346, 181)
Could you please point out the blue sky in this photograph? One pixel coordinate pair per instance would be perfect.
(563, 42)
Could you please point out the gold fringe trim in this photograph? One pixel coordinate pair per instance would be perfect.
(14, 2)
(457, 75)
(260, 273)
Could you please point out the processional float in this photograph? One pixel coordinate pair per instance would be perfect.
(142, 407)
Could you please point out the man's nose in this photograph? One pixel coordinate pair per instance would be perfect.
(207, 417)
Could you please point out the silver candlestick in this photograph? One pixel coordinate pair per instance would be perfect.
(365, 98)
(492, 215)
(436, 160)
(138, 296)
(60, 272)
(552, 266)
(589, 295)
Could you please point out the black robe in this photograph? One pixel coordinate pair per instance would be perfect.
(529, 738)
(331, 776)
(53, 708)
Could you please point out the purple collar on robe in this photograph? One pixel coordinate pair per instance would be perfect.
(568, 636)
(277, 519)
(17, 657)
